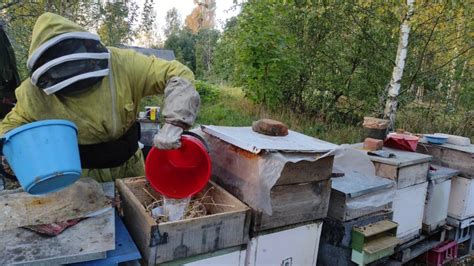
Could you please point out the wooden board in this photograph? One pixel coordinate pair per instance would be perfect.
(23, 209)
(453, 156)
(404, 176)
(226, 225)
(230, 256)
(401, 159)
(338, 207)
(87, 240)
(408, 207)
(306, 171)
(461, 198)
(292, 204)
(436, 205)
(295, 246)
(339, 233)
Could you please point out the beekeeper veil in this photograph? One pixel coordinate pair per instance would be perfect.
(72, 60)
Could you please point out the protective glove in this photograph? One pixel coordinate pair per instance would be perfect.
(181, 102)
(168, 138)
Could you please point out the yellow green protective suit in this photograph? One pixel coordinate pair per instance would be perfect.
(109, 108)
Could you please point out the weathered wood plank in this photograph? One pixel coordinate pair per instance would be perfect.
(452, 156)
(23, 209)
(306, 171)
(404, 176)
(90, 239)
(292, 204)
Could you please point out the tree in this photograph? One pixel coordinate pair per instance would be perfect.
(147, 30)
(117, 22)
(173, 22)
(183, 44)
(394, 86)
(206, 40)
(202, 16)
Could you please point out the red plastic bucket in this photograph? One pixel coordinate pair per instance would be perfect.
(179, 173)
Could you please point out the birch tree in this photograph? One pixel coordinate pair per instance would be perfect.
(397, 73)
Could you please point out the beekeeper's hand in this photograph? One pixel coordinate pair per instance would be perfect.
(168, 138)
(6, 167)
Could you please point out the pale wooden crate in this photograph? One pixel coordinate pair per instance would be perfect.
(230, 256)
(453, 156)
(355, 195)
(406, 168)
(461, 198)
(408, 207)
(226, 225)
(291, 204)
(293, 245)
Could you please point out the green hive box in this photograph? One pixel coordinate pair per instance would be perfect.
(373, 242)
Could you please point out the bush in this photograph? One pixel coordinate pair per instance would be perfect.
(207, 91)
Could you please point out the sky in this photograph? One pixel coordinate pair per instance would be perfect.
(224, 10)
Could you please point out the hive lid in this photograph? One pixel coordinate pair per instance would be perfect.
(441, 173)
(245, 138)
(355, 184)
(401, 159)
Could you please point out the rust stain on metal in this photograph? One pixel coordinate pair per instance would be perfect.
(244, 153)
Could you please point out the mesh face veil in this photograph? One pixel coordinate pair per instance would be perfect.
(69, 62)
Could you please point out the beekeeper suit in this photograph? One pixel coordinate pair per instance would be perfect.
(75, 77)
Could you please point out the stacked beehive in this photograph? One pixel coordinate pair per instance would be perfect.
(288, 188)
(461, 198)
(219, 235)
(357, 201)
(409, 170)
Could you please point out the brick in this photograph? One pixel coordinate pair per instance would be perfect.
(373, 144)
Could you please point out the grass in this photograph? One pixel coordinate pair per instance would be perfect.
(231, 108)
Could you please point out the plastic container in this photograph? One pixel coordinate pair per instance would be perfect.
(179, 173)
(44, 155)
(442, 254)
(401, 142)
(436, 139)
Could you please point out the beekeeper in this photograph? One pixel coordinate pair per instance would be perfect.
(73, 76)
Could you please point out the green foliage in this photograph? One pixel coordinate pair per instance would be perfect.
(208, 92)
(117, 24)
(206, 40)
(333, 60)
(183, 44)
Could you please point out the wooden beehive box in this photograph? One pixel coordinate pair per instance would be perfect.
(437, 197)
(291, 245)
(453, 156)
(300, 193)
(292, 204)
(373, 242)
(461, 198)
(355, 195)
(408, 207)
(225, 225)
(335, 244)
(406, 168)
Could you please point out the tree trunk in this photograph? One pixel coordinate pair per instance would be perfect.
(394, 86)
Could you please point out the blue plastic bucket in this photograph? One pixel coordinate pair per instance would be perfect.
(44, 155)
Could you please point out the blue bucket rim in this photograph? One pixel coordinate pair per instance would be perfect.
(40, 123)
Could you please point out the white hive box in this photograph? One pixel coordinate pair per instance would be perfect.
(408, 207)
(295, 246)
(355, 195)
(461, 199)
(231, 256)
(437, 198)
